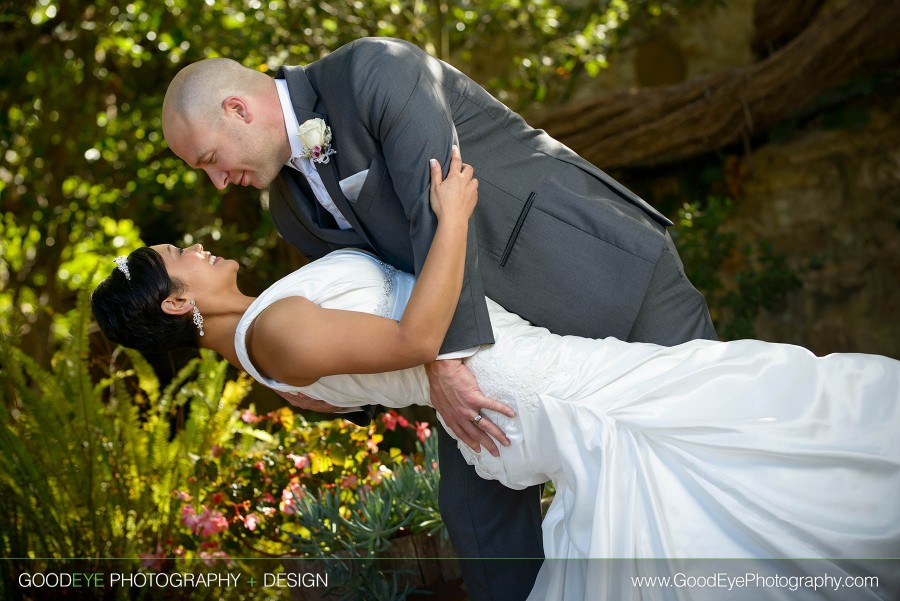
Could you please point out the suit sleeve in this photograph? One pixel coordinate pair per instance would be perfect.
(401, 98)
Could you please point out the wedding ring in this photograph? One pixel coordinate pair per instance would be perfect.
(477, 418)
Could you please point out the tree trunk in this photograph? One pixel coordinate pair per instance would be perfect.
(666, 124)
(777, 22)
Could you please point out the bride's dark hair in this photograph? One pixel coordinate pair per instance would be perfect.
(128, 311)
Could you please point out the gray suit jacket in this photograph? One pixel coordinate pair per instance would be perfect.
(555, 239)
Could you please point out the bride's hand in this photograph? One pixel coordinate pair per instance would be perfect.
(456, 196)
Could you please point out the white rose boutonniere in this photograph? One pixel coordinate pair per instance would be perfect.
(316, 139)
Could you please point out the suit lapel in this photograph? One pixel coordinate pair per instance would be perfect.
(304, 99)
(307, 211)
(303, 96)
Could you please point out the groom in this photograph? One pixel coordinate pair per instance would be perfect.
(555, 239)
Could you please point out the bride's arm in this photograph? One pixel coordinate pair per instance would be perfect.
(297, 342)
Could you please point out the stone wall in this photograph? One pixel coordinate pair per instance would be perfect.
(830, 201)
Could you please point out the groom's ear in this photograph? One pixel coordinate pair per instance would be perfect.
(237, 106)
(175, 305)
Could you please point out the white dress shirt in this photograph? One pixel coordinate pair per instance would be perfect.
(305, 166)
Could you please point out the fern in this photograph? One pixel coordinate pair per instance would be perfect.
(89, 469)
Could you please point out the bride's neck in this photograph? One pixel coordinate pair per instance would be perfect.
(219, 329)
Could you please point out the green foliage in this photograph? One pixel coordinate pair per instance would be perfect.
(763, 278)
(88, 472)
(763, 282)
(702, 243)
(100, 462)
(536, 52)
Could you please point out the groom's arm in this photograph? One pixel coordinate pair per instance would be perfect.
(403, 95)
(398, 93)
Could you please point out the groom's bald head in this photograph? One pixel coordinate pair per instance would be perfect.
(226, 119)
(195, 96)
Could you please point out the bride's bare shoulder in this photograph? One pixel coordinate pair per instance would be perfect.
(280, 332)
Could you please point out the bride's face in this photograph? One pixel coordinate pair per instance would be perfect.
(201, 271)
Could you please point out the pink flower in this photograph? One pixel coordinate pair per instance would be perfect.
(349, 481)
(300, 461)
(248, 417)
(288, 506)
(183, 496)
(206, 523)
(155, 561)
(377, 475)
(251, 521)
(212, 522)
(289, 497)
(209, 554)
(189, 518)
(391, 419)
(260, 466)
(422, 430)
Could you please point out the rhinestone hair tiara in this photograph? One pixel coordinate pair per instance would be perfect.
(122, 264)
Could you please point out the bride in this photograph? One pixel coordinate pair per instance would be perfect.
(744, 449)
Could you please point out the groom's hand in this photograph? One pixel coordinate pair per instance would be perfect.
(298, 399)
(456, 396)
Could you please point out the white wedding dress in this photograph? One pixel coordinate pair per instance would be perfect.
(715, 450)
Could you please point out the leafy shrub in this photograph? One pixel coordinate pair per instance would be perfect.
(762, 280)
(102, 464)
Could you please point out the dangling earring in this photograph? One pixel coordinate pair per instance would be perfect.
(198, 319)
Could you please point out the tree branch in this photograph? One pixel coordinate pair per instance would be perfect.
(671, 123)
